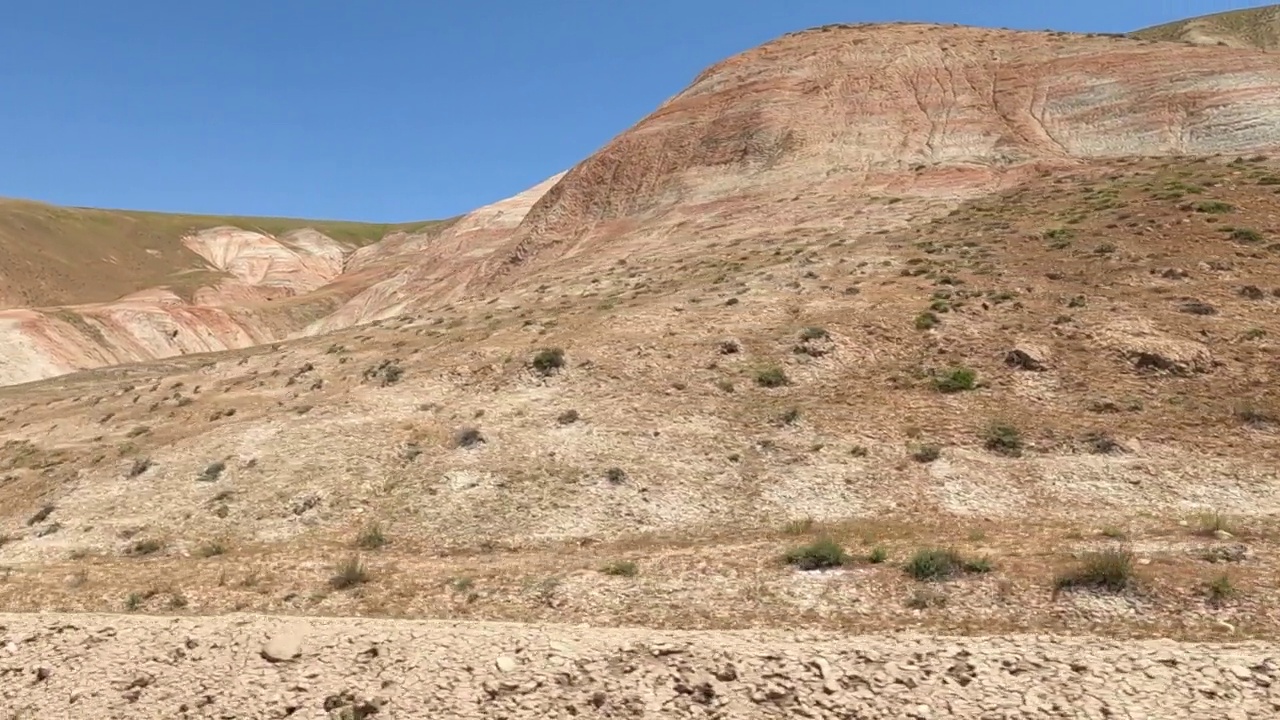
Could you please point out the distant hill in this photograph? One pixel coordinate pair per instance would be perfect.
(1256, 27)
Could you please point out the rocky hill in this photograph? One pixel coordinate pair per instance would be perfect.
(872, 329)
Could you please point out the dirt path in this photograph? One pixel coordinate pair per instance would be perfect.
(252, 666)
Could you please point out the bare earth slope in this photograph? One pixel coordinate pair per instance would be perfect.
(873, 330)
(1255, 27)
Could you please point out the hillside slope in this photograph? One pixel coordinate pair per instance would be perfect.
(800, 133)
(1252, 28)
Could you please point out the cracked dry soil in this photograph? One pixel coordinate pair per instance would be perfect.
(251, 666)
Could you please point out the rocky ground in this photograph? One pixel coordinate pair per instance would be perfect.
(251, 666)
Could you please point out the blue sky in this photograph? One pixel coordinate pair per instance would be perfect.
(385, 110)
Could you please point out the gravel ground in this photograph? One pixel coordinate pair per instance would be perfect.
(252, 666)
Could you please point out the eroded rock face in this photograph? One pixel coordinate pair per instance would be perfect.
(297, 262)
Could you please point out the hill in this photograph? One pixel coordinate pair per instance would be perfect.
(871, 330)
(1255, 28)
(83, 288)
(53, 256)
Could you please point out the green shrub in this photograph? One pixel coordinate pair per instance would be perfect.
(1213, 207)
(621, 568)
(878, 555)
(1246, 235)
(1220, 589)
(212, 471)
(1003, 439)
(467, 437)
(927, 321)
(211, 549)
(1109, 570)
(349, 573)
(926, 453)
(955, 380)
(371, 537)
(149, 546)
(943, 564)
(771, 377)
(548, 360)
(814, 333)
(821, 553)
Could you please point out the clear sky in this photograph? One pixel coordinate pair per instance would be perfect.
(386, 110)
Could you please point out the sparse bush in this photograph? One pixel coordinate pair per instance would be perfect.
(926, 321)
(1109, 570)
(858, 451)
(41, 515)
(943, 564)
(814, 333)
(371, 537)
(819, 554)
(771, 377)
(1246, 235)
(955, 380)
(801, 526)
(790, 417)
(621, 568)
(615, 475)
(211, 549)
(137, 431)
(349, 573)
(148, 546)
(1113, 532)
(1210, 524)
(568, 417)
(1197, 307)
(468, 437)
(725, 385)
(139, 466)
(926, 453)
(548, 360)
(212, 471)
(1102, 443)
(878, 555)
(1253, 415)
(1003, 439)
(385, 373)
(1220, 589)
(1213, 207)
(925, 598)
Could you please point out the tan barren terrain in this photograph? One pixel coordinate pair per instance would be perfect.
(879, 373)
